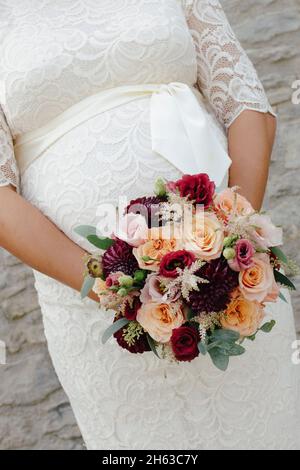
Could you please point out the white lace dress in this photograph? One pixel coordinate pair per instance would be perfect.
(54, 53)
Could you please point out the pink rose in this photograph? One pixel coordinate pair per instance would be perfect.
(265, 233)
(133, 229)
(152, 290)
(244, 255)
(156, 290)
(113, 279)
(257, 282)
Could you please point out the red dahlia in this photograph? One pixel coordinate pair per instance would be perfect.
(119, 257)
(214, 296)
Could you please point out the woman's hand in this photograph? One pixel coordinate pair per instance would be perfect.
(250, 142)
(30, 236)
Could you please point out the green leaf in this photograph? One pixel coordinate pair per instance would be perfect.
(87, 286)
(251, 338)
(202, 348)
(279, 254)
(233, 350)
(283, 280)
(100, 242)
(282, 297)
(112, 329)
(268, 327)
(152, 345)
(220, 360)
(85, 230)
(226, 335)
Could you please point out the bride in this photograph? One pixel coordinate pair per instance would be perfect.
(79, 78)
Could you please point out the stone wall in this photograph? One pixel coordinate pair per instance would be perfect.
(34, 411)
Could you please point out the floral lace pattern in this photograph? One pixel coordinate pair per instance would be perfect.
(226, 76)
(8, 167)
(53, 53)
(45, 46)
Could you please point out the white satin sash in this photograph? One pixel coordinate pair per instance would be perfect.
(179, 128)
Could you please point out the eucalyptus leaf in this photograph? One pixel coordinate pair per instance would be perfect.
(220, 360)
(99, 242)
(112, 329)
(279, 254)
(87, 286)
(152, 345)
(283, 280)
(226, 335)
(233, 350)
(85, 230)
(202, 348)
(268, 327)
(252, 337)
(282, 297)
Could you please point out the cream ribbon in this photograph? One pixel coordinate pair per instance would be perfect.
(180, 130)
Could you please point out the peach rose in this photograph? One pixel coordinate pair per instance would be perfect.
(242, 316)
(159, 320)
(99, 286)
(206, 237)
(257, 283)
(273, 294)
(160, 241)
(230, 202)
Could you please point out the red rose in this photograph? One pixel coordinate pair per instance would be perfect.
(173, 260)
(197, 188)
(184, 341)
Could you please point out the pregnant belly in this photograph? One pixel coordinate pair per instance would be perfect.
(102, 159)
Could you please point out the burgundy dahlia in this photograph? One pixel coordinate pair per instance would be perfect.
(197, 188)
(215, 295)
(140, 345)
(119, 257)
(148, 207)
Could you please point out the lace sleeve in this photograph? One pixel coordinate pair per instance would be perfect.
(226, 76)
(8, 167)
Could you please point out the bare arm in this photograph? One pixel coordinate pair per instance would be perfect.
(250, 141)
(230, 83)
(30, 236)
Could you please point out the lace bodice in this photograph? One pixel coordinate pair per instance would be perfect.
(55, 53)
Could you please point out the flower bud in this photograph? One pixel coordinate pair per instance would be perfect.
(125, 281)
(139, 275)
(229, 253)
(160, 187)
(122, 292)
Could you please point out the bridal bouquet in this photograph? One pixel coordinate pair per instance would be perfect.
(187, 271)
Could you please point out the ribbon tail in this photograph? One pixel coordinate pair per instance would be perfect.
(181, 133)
